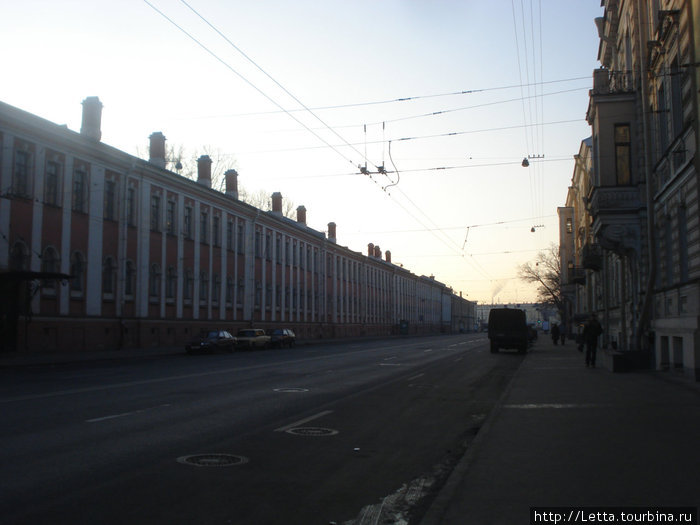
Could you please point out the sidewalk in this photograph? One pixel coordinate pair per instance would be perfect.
(565, 435)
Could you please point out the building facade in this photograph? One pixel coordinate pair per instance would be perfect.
(633, 202)
(103, 250)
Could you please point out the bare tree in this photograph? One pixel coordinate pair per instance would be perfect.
(263, 199)
(184, 163)
(545, 273)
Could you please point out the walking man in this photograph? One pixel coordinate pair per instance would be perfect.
(591, 332)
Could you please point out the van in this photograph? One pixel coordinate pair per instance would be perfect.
(508, 329)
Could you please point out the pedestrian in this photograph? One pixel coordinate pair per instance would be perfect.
(562, 333)
(555, 333)
(591, 332)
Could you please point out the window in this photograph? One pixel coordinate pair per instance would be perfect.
(110, 193)
(51, 183)
(187, 285)
(129, 278)
(229, 289)
(683, 242)
(170, 282)
(203, 286)
(49, 264)
(623, 154)
(170, 218)
(662, 119)
(258, 243)
(19, 257)
(569, 225)
(676, 100)
(131, 207)
(108, 274)
(187, 223)
(229, 235)
(215, 288)
(155, 213)
(20, 179)
(216, 230)
(80, 190)
(154, 281)
(668, 251)
(240, 237)
(203, 227)
(77, 271)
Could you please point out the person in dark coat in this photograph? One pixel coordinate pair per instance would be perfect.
(591, 332)
(555, 333)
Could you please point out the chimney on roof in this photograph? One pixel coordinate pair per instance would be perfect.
(156, 149)
(301, 215)
(277, 203)
(92, 118)
(231, 183)
(387, 255)
(377, 252)
(204, 171)
(370, 250)
(331, 232)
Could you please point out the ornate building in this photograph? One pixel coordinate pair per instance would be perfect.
(100, 249)
(634, 252)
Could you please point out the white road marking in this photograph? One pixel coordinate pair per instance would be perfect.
(125, 414)
(303, 421)
(389, 358)
(390, 364)
(532, 406)
(428, 350)
(415, 377)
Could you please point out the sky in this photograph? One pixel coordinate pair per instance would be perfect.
(448, 96)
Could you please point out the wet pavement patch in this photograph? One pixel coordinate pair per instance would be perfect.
(212, 460)
(312, 431)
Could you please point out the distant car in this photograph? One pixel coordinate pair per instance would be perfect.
(212, 341)
(508, 329)
(250, 338)
(282, 337)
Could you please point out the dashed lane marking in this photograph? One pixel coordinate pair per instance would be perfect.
(303, 421)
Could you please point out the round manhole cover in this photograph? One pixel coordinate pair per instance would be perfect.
(291, 390)
(213, 460)
(312, 431)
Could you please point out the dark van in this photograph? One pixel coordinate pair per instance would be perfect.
(508, 329)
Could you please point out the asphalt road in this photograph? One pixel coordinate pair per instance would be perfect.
(357, 433)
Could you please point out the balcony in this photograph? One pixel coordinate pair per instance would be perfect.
(615, 200)
(577, 276)
(616, 217)
(607, 82)
(592, 257)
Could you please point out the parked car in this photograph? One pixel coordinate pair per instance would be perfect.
(212, 341)
(508, 329)
(250, 338)
(282, 337)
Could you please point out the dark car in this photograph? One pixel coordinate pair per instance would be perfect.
(212, 341)
(282, 337)
(508, 329)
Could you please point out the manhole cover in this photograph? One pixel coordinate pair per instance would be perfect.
(213, 460)
(312, 431)
(291, 390)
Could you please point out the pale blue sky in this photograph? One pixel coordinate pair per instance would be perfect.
(152, 77)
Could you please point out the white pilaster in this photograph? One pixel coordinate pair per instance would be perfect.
(93, 295)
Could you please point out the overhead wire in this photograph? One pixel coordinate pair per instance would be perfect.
(380, 102)
(244, 79)
(304, 106)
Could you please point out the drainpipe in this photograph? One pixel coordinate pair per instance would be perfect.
(645, 314)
